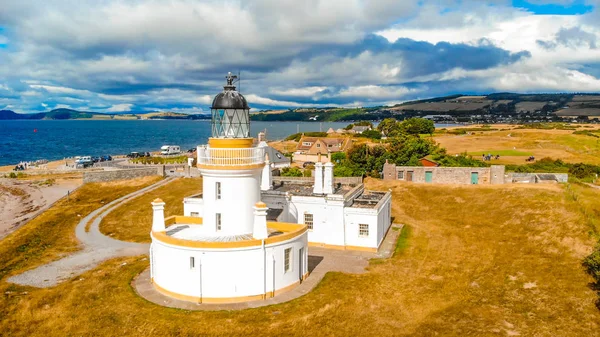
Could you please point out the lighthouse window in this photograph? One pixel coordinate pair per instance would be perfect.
(192, 262)
(218, 221)
(308, 221)
(363, 230)
(218, 190)
(287, 256)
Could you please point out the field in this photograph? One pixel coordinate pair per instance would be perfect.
(467, 263)
(517, 143)
(447, 106)
(133, 220)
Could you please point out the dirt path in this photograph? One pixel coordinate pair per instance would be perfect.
(23, 200)
(96, 248)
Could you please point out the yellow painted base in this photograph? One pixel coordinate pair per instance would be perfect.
(337, 247)
(229, 143)
(224, 300)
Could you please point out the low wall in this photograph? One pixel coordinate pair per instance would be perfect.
(537, 178)
(337, 180)
(105, 176)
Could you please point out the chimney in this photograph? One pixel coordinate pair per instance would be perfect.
(318, 188)
(267, 177)
(328, 178)
(260, 221)
(158, 217)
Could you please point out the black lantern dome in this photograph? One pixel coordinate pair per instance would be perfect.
(230, 113)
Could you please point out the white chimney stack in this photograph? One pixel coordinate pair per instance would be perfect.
(328, 178)
(260, 221)
(267, 177)
(158, 216)
(318, 188)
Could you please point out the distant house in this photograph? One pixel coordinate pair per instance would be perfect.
(360, 128)
(276, 158)
(330, 131)
(428, 162)
(309, 148)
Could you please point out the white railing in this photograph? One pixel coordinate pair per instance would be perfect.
(230, 157)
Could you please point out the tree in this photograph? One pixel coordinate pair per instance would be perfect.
(389, 127)
(338, 157)
(372, 134)
(416, 126)
(407, 149)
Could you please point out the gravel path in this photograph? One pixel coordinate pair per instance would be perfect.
(96, 248)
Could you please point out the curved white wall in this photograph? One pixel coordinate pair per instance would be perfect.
(230, 273)
(238, 187)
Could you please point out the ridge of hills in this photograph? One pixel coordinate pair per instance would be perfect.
(66, 114)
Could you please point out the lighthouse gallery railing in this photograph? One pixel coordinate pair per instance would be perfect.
(230, 157)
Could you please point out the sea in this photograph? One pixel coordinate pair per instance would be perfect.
(30, 140)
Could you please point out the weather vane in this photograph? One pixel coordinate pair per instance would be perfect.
(230, 78)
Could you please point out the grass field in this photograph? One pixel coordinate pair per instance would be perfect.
(556, 144)
(133, 220)
(471, 261)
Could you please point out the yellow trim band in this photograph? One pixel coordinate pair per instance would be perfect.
(231, 167)
(222, 300)
(228, 143)
(338, 247)
(290, 231)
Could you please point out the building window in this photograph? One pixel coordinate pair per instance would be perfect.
(308, 221)
(218, 221)
(363, 230)
(218, 190)
(400, 175)
(287, 256)
(306, 143)
(195, 214)
(192, 262)
(318, 144)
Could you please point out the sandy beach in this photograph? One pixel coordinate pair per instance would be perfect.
(22, 200)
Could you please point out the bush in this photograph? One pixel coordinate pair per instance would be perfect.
(371, 134)
(296, 136)
(12, 175)
(592, 263)
(291, 172)
(338, 157)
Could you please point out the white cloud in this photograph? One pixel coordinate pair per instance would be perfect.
(299, 92)
(376, 92)
(120, 107)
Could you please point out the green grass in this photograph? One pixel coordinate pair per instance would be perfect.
(508, 153)
(403, 241)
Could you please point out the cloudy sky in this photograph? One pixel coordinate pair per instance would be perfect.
(134, 55)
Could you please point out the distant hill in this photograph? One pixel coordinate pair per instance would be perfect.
(68, 114)
(456, 106)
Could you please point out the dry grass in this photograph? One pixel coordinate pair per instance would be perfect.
(132, 221)
(478, 260)
(557, 144)
(52, 234)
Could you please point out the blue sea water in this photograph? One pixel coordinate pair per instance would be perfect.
(25, 140)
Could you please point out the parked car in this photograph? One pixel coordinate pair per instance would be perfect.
(96, 159)
(133, 155)
(84, 161)
(308, 163)
(147, 154)
(167, 150)
(106, 158)
(191, 150)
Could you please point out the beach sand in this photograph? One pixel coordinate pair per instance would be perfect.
(22, 200)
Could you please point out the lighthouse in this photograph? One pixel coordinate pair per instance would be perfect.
(228, 251)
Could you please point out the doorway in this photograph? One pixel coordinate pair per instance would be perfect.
(428, 176)
(409, 176)
(474, 178)
(300, 264)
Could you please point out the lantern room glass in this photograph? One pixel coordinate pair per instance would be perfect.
(230, 123)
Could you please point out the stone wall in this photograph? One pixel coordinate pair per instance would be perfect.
(337, 180)
(445, 175)
(104, 176)
(537, 178)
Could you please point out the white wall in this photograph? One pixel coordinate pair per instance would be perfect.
(193, 205)
(227, 273)
(238, 187)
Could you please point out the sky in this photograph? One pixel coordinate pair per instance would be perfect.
(173, 55)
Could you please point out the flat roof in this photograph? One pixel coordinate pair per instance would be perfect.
(195, 233)
(306, 188)
(368, 199)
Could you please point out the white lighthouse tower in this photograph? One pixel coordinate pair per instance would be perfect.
(227, 251)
